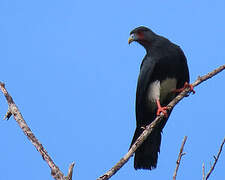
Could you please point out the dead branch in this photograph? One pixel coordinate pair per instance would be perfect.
(179, 158)
(215, 160)
(203, 171)
(157, 120)
(13, 110)
(70, 172)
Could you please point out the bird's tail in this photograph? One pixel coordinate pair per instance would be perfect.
(146, 155)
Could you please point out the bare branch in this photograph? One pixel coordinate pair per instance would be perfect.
(7, 115)
(70, 172)
(215, 160)
(203, 171)
(179, 158)
(157, 120)
(13, 110)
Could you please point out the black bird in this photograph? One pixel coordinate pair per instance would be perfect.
(163, 73)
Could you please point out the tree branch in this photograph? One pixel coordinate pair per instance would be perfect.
(203, 171)
(13, 110)
(179, 158)
(157, 120)
(215, 160)
(70, 172)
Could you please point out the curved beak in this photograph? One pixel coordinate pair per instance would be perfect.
(132, 38)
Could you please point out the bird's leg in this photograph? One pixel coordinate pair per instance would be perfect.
(186, 85)
(161, 109)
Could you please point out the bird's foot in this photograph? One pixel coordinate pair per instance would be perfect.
(186, 85)
(161, 109)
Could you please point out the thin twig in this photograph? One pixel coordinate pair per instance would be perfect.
(13, 110)
(203, 171)
(70, 172)
(157, 120)
(179, 158)
(215, 160)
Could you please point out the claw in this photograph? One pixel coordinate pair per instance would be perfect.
(161, 109)
(186, 85)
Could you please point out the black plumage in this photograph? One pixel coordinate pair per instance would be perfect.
(163, 69)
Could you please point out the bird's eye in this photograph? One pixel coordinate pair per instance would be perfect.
(140, 35)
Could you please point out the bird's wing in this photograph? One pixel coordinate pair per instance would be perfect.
(184, 71)
(144, 79)
(146, 70)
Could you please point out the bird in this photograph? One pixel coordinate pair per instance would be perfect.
(163, 74)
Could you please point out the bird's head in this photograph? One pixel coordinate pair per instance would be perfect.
(142, 35)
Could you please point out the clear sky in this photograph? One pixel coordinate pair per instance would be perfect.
(73, 75)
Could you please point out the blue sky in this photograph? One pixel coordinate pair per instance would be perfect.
(73, 75)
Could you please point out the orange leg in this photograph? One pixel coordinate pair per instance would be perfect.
(186, 85)
(161, 109)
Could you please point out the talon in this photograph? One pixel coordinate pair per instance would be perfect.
(186, 85)
(161, 109)
(143, 127)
